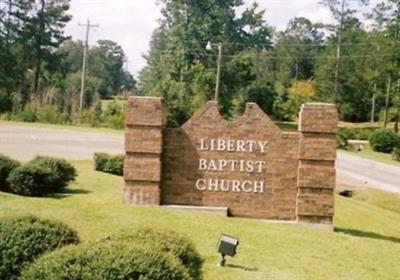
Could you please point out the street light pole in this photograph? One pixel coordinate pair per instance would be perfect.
(218, 71)
(209, 47)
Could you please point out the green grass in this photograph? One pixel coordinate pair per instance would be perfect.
(366, 244)
(368, 153)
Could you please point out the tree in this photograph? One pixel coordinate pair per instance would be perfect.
(183, 72)
(342, 13)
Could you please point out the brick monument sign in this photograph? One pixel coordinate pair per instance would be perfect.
(248, 165)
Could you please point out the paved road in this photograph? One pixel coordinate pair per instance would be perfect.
(353, 170)
(24, 143)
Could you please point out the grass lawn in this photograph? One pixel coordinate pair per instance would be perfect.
(366, 244)
(368, 153)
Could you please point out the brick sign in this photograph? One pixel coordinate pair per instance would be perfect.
(248, 165)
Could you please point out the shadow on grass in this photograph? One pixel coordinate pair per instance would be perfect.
(68, 192)
(367, 234)
(242, 267)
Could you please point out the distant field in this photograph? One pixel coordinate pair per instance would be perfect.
(366, 244)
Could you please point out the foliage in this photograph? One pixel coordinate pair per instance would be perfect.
(357, 133)
(28, 114)
(113, 115)
(24, 239)
(384, 140)
(342, 140)
(29, 180)
(113, 164)
(6, 166)
(172, 242)
(107, 260)
(396, 153)
(41, 176)
(182, 71)
(51, 114)
(299, 92)
(62, 172)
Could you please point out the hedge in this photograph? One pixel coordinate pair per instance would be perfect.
(61, 171)
(24, 239)
(41, 176)
(6, 166)
(384, 140)
(107, 260)
(113, 164)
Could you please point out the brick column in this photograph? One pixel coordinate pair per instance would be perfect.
(317, 154)
(144, 119)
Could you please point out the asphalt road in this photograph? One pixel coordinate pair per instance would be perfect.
(24, 143)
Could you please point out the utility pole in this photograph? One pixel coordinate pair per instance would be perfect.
(85, 59)
(338, 52)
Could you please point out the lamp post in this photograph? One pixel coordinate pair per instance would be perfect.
(210, 47)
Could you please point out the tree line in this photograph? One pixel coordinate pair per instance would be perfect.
(354, 65)
(348, 62)
(40, 65)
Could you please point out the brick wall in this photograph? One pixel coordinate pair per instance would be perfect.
(162, 164)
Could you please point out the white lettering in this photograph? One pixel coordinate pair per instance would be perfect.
(203, 145)
(200, 185)
(221, 145)
(260, 165)
(235, 186)
(263, 146)
(202, 164)
(246, 186)
(259, 187)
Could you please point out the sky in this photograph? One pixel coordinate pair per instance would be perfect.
(130, 23)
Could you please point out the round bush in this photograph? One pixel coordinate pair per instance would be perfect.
(6, 166)
(172, 242)
(107, 260)
(384, 140)
(61, 171)
(29, 180)
(24, 239)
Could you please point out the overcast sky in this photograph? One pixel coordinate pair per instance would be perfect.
(130, 22)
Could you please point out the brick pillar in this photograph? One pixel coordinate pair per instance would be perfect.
(144, 119)
(317, 154)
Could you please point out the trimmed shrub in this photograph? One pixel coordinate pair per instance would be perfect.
(107, 260)
(6, 166)
(29, 180)
(24, 239)
(62, 172)
(172, 242)
(41, 176)
(113, 164)
(384, 140)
